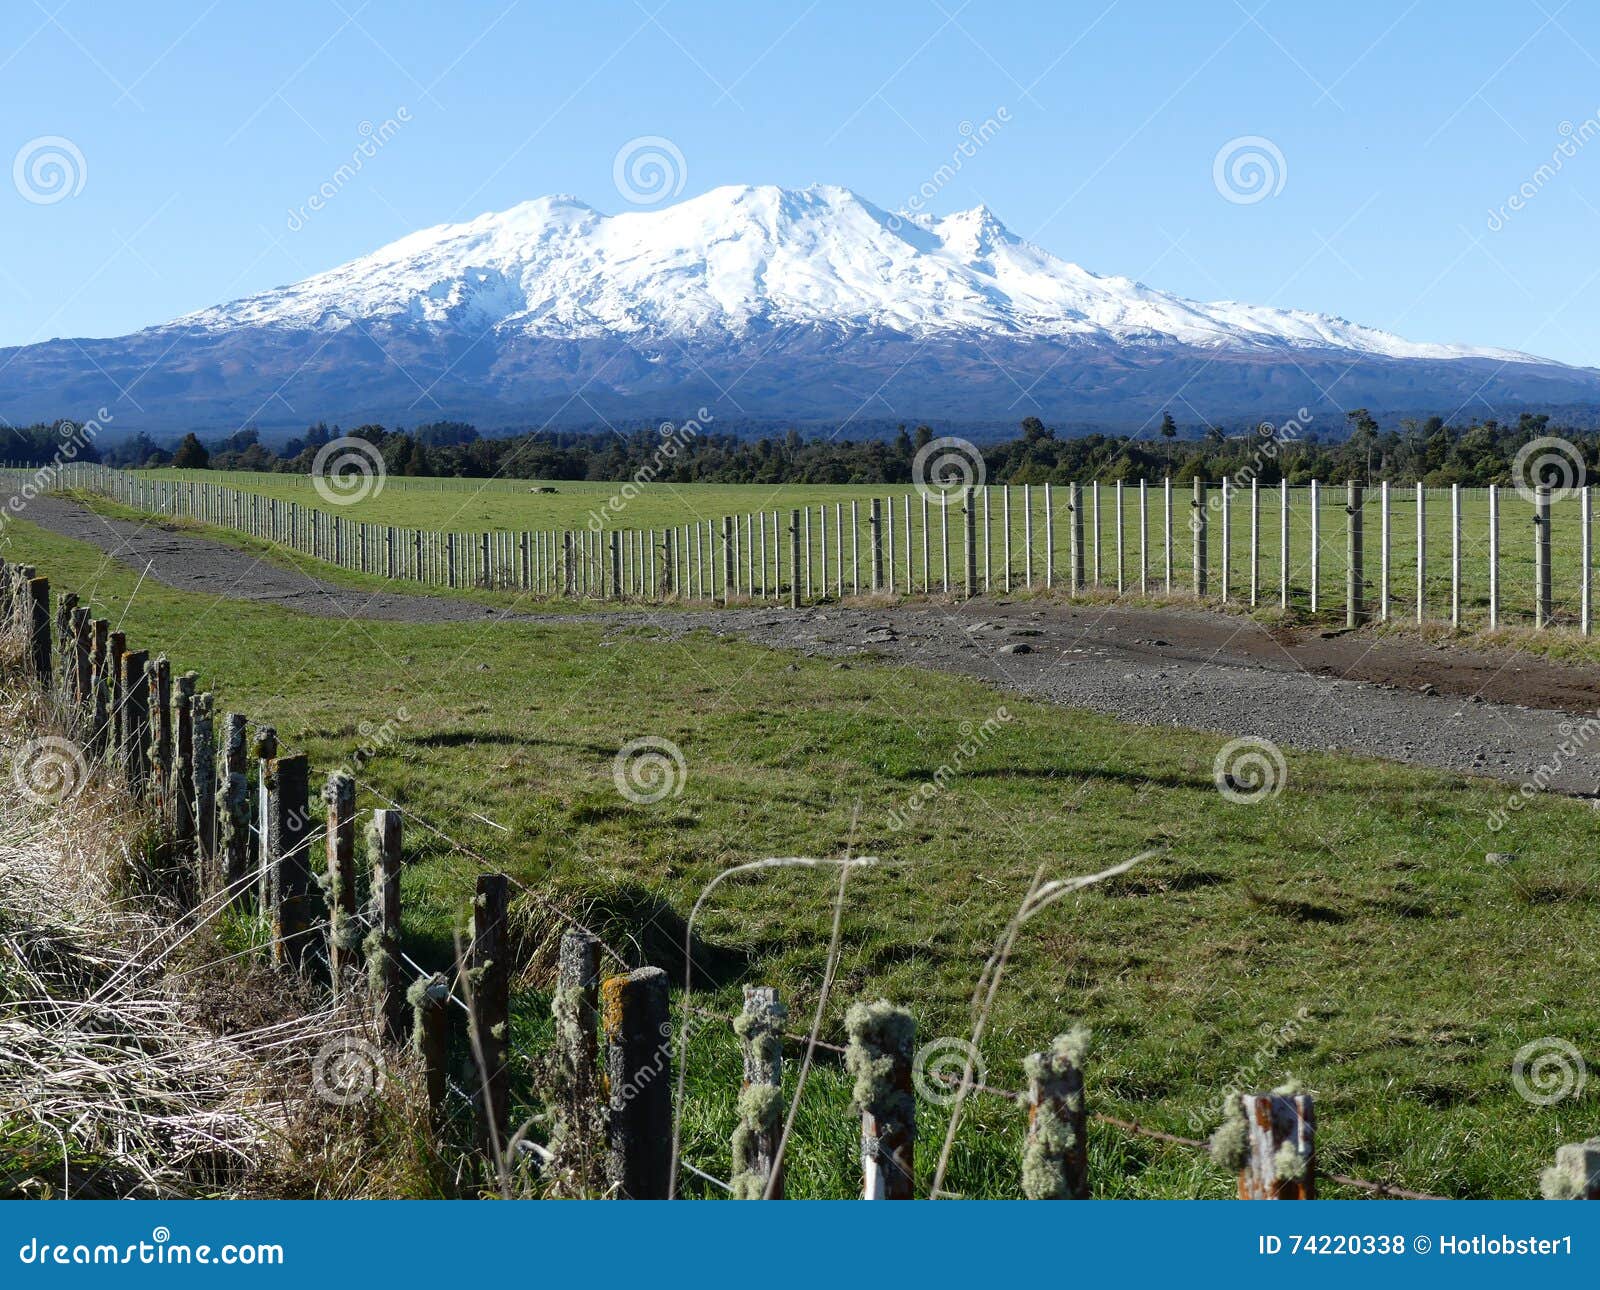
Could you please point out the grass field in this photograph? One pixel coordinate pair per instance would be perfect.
(478, 505)
(1348, 931)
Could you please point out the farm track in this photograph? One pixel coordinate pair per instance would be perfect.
(1495, 713)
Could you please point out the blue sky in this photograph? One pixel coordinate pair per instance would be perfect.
(1395, 135)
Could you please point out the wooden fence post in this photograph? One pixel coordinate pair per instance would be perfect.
(1075, 563)
(116, 647)
(576, 1007)
(430, 1039)
(1544, 604)
(204, 778)
(38, 618)
(875, 523)
(491, 1010)
(1355, 587)
(882, 1039)
(1055, 1157)
(1197, 526)
(638, 1032)
(385, 981)
(1455, 555)
(794, 560)
(755, 1142)
(1585, 558)
(1271, 1139)
(969, 515)
(136, 719)
(181, 790)
(1315, 505)
(1255, 543)
(730, 566)
(264, 748)
(158, 677)
(100, 690)
(1422, 552)
(344, 927)
(288, 857)
(233, 812)
(1383, 549)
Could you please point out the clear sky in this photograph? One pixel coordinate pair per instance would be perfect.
(1394, 135)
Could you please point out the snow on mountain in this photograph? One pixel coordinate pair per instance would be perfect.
(738, 261)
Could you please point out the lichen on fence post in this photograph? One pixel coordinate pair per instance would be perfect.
(755, 1142)
(344, 928)
(180, 788)
(158, 680)
(385, 980)
(1269, 1140)
(233, 813)
(263, 748)
(882, 1038)
(490, 999)
(1575, 1174)
(100, 690)
(39, 629)
(136, 719)
(116, 647)
(430, 1039)
(294, 908)
(1055, 1156)
(204, 776)
(638, 1032)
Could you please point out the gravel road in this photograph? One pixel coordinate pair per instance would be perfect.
(1493, 713)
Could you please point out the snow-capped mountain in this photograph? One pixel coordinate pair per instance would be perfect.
(765, 302)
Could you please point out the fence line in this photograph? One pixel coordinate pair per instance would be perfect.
(1461, 571)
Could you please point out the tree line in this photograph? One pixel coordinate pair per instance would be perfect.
(1428, 450)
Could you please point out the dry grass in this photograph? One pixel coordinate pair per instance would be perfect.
(140, 1053)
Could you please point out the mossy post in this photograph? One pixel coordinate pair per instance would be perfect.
(577, 1013)
(116, 647)
(638, 1032)
(1576, 1173)
(62, 666)
(99, 688)
(136, 719)
(288, 851)
(882, 1041)
(39, 629)
(1198, 526)
(158, 679)
(180, 789)
(794, 559)
(757, 1173)
(1270, 1138)
(491, 1010)
(429, 997)
(204, 776)
(83, 665)
(264, 748)
(385, 980)
(344, 926)
(233, 811)
(1055, 1157)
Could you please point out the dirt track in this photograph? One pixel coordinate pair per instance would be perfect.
(1491, 713)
